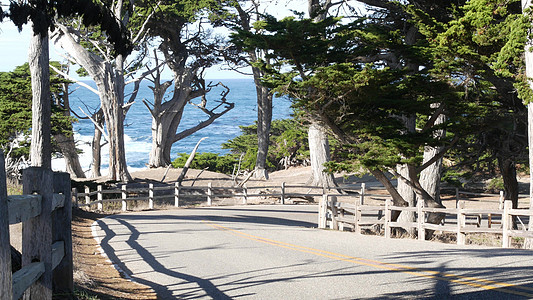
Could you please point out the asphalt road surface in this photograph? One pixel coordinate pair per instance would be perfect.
(276, 252)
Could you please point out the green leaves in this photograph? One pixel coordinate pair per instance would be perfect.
(16, 105)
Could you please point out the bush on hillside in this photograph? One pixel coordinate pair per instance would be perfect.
(210, 161)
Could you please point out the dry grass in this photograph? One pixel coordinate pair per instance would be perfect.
(94, 276)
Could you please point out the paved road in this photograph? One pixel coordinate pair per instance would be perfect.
(273, 252)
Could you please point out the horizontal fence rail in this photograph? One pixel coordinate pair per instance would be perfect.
(338, 213)
(365, 208)
(178, 193)
(45, 211)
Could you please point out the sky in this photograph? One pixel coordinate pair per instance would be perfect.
(14, 52)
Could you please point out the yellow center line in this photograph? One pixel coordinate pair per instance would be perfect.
(466, 280)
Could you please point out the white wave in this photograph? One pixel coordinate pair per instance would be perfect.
(137, 152)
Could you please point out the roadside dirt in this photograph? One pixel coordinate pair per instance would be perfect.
(94, 275)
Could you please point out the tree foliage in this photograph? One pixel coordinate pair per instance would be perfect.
(16, 106)
(288, 147)
(42, 14)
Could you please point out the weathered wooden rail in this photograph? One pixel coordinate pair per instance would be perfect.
(178, 193)
(339, 214)
(45, 211)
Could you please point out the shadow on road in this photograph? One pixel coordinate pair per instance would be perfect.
(500, 282)
(246, 217)
(446, 285)
(162, 291)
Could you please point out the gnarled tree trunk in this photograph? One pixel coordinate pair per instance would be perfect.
(166, 116)
(109, 79)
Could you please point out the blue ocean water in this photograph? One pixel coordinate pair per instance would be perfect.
(138, 122)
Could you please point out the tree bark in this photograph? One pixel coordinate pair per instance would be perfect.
(66, 142)
(404, 189)
(96, 145)
(264, 121)
(430, 177)
(408, 195)
(166, 117)
(528, 243)
(67, 146)
(40, 151)
(109, 79)
(319, 155)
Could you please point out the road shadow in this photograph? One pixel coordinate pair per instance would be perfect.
(503, 281)
(246, 217)
(445, 284)
(162, 291)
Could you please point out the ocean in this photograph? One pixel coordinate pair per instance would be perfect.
(138, 136)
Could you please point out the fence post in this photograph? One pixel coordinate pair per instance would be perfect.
(124, 196)
(322, 211)
(87, 197)
(461, 220)
(362, 199)
(340, 212)
(501, 200)
(334, 224)
(421, 220)
(176, 194)
(6, 289)
(74, 193)
(151, 196)
(356, 216)
(209, 194)
(456, 197)
(283, 192)
(37, 232)
(506, 224)
(245, 194)
(62, 279)
(100, 197)
(387, 218)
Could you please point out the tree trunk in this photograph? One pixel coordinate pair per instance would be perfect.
(40, 153)
(430, 177)
(319, 155)
(264, 120)
(96, 146)
(66, 142)
(510, 183)
(528, 243)
(166, 116)
(162, 138)
(404, 189)
(109, 79)
(67, 146)
(408, 195)
(112, 102)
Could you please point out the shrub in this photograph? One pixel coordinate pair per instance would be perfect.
(212, 161)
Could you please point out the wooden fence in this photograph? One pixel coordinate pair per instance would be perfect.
(354, 214)
(179, 194)
(45, 211)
